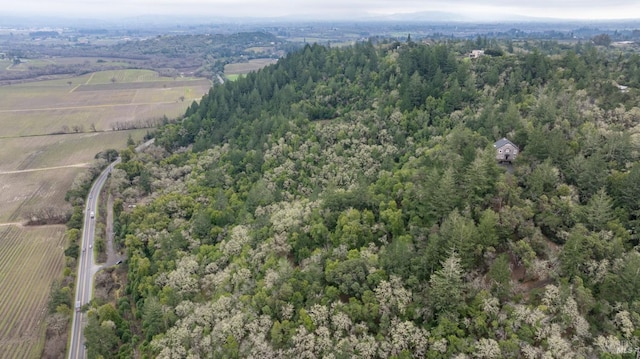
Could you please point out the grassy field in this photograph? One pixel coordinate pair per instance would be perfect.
(30, 259)
(246, 67)
(60, 150)
(47, 107)
(26, 191)
(6, 65)
(39, 121)
(105, 77)
(43, 168)
(260, 49)
(233, 77)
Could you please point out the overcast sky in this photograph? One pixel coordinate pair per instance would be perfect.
(323, 9)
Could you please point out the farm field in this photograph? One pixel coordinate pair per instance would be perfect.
(59, 150)
(246, 67)
(43, 167)
(25, 191)
(101, 99)
(6, 65)
(51, 132)
(233, 77)
(30, 259)
(61, 124)
(40, 119)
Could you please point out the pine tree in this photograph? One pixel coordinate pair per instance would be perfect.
(598, 211)
(446, 286)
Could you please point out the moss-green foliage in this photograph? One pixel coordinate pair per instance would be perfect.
(347, 203)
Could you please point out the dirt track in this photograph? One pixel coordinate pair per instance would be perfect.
(17, 224)
(85, 107)
(45, 168)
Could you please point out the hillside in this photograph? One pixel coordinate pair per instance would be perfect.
(347, 203)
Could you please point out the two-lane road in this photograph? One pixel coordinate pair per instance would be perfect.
(86, 268)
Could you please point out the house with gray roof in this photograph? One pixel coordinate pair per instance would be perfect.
(506, 151)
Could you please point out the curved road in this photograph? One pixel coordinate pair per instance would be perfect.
(86, 267)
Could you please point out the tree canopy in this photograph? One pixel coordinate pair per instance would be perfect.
(346, 202)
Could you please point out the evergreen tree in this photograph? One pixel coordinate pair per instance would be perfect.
(598, 211)
(446, 286)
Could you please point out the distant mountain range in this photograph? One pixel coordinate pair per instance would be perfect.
(442, 16)
(24, 21)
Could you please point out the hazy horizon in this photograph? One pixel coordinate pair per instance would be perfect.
(325, 10)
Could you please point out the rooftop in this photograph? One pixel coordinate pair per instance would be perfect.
(503, 141)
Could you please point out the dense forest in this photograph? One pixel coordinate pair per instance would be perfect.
(347, 202)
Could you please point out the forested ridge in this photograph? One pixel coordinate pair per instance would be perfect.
(346, 202)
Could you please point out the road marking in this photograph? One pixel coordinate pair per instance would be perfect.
(86, 266)
(82, 281)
